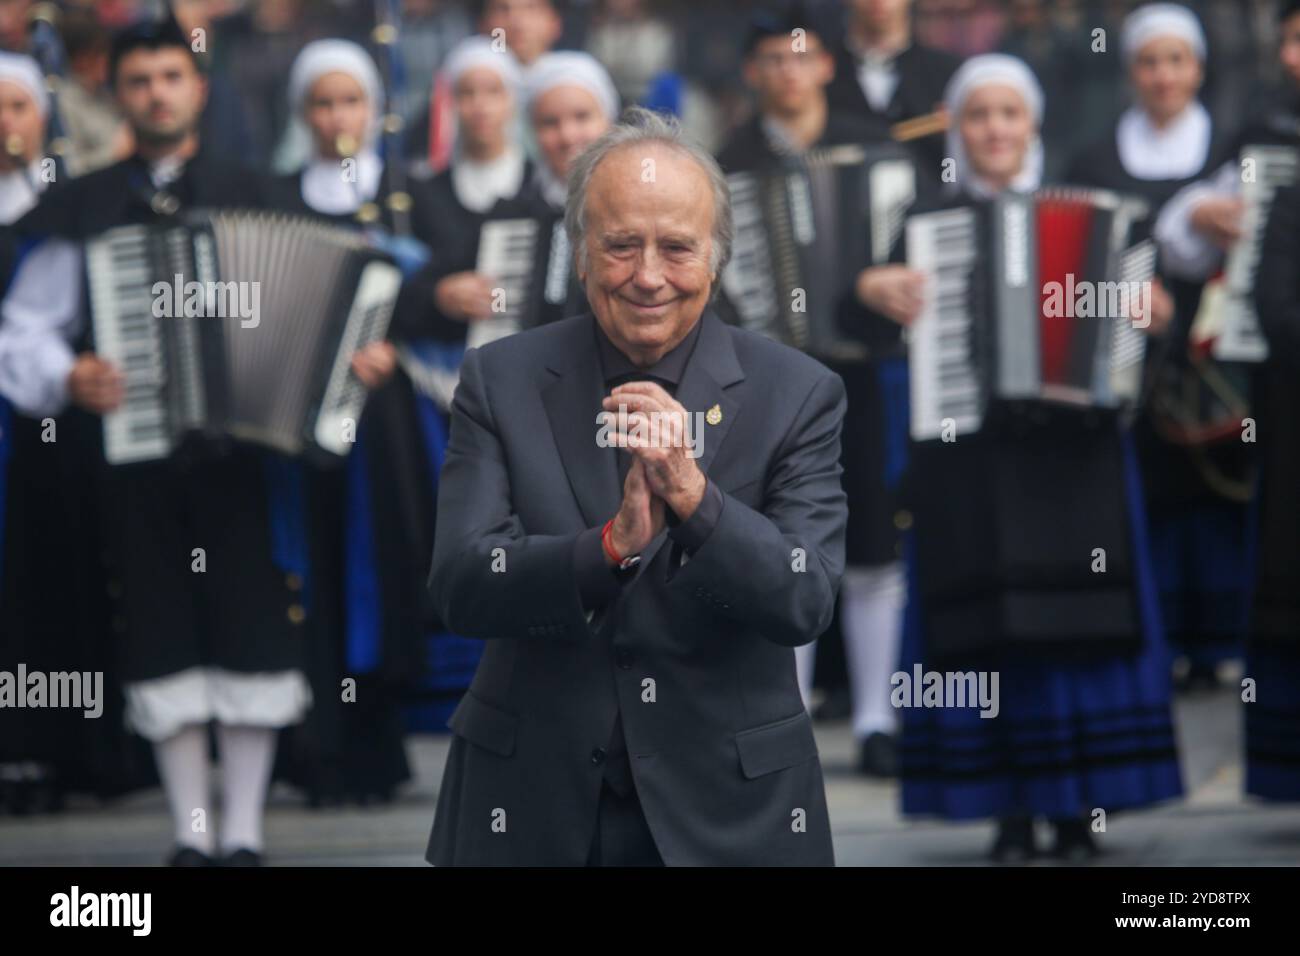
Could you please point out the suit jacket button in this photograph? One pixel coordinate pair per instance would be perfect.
(902, 520)
(297, 614)
(598, 756)
(623, 657)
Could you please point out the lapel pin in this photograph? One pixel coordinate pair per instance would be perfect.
(714, 415)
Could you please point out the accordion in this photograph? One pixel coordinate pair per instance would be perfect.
(1238, 334)
(529, 261)
(1028, 299)
(804, 228)
(236, 323)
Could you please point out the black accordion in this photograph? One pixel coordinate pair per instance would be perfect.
(530, 263)
(804, 228)
(236, 324)
(1029, 298)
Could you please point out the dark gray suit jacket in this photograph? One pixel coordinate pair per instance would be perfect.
(698, 654)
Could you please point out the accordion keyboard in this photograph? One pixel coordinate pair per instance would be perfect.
(367, 322)
(127, 335)
(748, 279)
(506, 250)
(944, 383)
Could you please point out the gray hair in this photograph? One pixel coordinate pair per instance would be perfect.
(640, 126)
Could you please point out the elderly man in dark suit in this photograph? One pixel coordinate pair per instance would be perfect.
(641, 579)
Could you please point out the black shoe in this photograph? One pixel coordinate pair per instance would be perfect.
(189, 856)
(242, 858)
(878, 756)
(1015, 841)
(1073, 841)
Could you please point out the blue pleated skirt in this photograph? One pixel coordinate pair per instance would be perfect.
(1070, 736)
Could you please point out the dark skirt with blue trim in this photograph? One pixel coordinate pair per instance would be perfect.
(1071, 735)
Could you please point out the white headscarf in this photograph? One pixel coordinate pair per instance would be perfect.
(1161, 20)
(324, 189)
(568, 68)
(573, 68)
(987, 70)
(480, 51)
(23, 71)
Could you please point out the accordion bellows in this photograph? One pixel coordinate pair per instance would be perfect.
(236, 323)
(804, 228)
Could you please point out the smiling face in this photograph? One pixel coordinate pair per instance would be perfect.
(566, 120)
(337, 107)
(1166, 75)
(648, 247)
(996, 130)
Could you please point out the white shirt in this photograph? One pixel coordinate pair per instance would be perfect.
(327, 189)
(554, 190)
(40, 315)
(1185, 252)
(19, 190)
(478, 185)
(878, 77)
(1175, 152)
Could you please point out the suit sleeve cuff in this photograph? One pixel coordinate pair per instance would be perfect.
(695, 530)
(598, 583)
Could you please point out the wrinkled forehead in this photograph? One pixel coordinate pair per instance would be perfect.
(652, 179)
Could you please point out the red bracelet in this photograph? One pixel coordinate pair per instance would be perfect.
(604, 543)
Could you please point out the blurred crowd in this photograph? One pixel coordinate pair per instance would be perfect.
(668, 53)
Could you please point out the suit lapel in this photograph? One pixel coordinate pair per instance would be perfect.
(572, 402)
